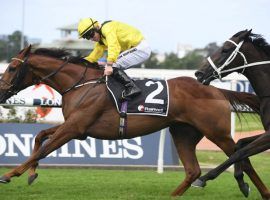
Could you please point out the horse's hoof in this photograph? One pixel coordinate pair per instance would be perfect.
(198, 183)
(4, 179)
(245, 189)
(32, 178)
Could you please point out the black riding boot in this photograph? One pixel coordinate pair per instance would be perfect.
(131, 89)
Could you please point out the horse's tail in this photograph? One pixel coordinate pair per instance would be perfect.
(242, 101)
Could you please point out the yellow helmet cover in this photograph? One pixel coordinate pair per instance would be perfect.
(85, 25)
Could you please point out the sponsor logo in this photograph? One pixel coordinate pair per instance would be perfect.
(13, 145)
(16, 101)
(153, 110)
(141, 108)
(48, 102)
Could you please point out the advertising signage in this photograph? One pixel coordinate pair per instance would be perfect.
(17, 142)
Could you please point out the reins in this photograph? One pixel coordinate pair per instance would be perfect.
(54, 72)
(75, 84)
(94, 81)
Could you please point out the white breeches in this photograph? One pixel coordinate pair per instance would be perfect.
(133, 56)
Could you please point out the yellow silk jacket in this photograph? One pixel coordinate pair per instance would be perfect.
(116, 37)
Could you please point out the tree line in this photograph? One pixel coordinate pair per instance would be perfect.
(191, 60)
(10, 45)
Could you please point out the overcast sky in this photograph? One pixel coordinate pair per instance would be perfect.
(165, 23)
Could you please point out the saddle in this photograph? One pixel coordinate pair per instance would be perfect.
(154, 99)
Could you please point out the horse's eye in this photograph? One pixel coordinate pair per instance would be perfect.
(11, 69)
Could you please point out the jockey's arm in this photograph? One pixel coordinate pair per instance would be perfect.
(114, 49)
(97, 53)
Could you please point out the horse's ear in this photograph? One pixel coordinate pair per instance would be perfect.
(28, 49)
(245, 35)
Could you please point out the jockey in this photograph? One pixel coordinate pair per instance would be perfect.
(126, 47)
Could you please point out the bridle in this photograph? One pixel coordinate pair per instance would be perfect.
(219, 70)
(14, 86)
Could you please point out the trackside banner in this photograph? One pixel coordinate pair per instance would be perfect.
(17, 142)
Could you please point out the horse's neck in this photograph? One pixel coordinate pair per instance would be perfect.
(258, 75)
(64, 78)
(259, 78)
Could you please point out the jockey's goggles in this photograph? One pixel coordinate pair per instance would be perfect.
(89, 34)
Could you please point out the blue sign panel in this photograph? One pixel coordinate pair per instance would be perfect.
(17, 142)
(244, 86)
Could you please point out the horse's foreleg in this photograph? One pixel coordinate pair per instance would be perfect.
(247, 147)
(63, 135)
(226, 143)
(186, 138)
(245, 141)
(40, 138)
(261, 144)
(247, 167)
(250, 171)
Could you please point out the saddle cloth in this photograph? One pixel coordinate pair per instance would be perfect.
(154, 99)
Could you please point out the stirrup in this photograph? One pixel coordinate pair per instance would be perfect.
(124, 98)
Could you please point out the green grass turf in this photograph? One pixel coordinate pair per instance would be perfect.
(261, 161)
(81, 184)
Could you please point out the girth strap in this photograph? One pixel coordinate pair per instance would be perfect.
(123, 120)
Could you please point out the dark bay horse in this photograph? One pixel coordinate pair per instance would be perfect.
(249, 54)
(195, 111)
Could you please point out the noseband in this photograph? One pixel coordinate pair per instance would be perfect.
(18, 59)
(219, 70)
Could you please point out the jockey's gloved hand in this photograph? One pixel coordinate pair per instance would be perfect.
(108, 69)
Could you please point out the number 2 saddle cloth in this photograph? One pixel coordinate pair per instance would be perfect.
(154, 99)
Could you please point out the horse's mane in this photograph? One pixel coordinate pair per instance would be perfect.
(55, 53)
(64, 55)
(257, 40)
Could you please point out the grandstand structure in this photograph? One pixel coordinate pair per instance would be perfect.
(69, 40)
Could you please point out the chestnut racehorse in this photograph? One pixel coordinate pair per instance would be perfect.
(195, 111)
